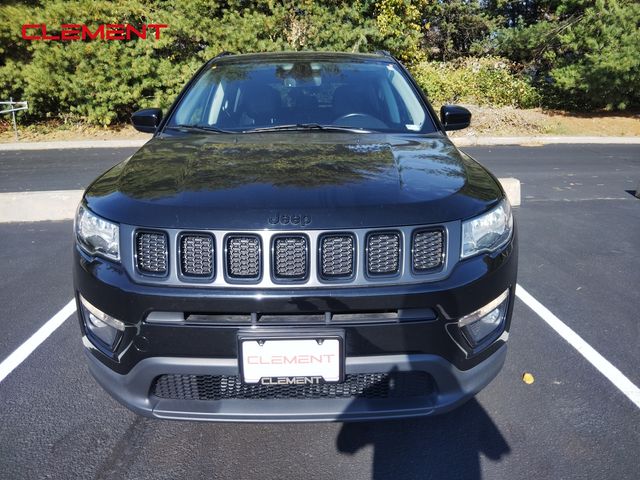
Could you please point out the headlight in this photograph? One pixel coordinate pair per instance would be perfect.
(487, 232)
(97, 235)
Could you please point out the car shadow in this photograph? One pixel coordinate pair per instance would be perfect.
(448, 446)
(442, 447)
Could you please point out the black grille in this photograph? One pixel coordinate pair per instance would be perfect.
(290, 257)
(196, 255)
(383, 253)
(337, 256)
(151, 252)
(361, 385)
(427, 250)
(243, 257)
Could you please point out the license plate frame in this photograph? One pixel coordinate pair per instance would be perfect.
(279, 337)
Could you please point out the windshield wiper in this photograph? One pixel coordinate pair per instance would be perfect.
(306, 126)
(201, 128)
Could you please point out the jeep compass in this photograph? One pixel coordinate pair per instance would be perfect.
(299, 241)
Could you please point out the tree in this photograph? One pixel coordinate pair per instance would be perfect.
(455, 28)
(583, 55)
(512, 13)
(104, 82)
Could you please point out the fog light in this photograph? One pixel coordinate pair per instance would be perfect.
(100, 326)
(479, 325)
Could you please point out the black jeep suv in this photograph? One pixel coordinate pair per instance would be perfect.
(299, 241)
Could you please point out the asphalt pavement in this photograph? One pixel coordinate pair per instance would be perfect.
(579, 256)
(41, 170)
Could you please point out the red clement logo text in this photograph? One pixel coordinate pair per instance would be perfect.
(289, 360)
(70, 32)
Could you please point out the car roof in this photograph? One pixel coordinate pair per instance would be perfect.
(304, 55)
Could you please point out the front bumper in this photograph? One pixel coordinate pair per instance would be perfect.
(454, 387)
(427, 343)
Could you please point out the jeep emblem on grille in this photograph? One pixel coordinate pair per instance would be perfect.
(290, 219)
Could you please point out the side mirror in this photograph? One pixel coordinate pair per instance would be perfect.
(454, 117)
(147, 120)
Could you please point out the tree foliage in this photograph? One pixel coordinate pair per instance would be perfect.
(456, 28)
(480, 81)
(103, 82)
(581, 54)
(566, 53)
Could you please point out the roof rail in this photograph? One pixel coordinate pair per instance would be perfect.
(386, 53)
(224, 54)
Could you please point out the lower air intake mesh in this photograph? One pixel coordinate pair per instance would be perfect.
(361, 385)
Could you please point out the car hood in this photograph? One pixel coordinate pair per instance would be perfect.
(292, 180)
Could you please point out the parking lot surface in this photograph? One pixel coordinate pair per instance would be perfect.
(579, 256)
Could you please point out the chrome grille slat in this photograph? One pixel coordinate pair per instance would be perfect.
(152, 252)
(290, 257)
(427, 250)
(196, 255)
(337, 256)
(383, 253)
(243, 256)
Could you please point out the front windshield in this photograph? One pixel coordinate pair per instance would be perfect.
(241, 97)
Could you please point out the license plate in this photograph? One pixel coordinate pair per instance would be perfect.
(293, 361)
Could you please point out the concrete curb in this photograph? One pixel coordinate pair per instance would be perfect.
(511, 187)
(39, 206)
(468, 141)
(54, 205)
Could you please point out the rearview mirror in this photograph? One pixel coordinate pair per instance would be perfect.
(454, 117)
(147, 120)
